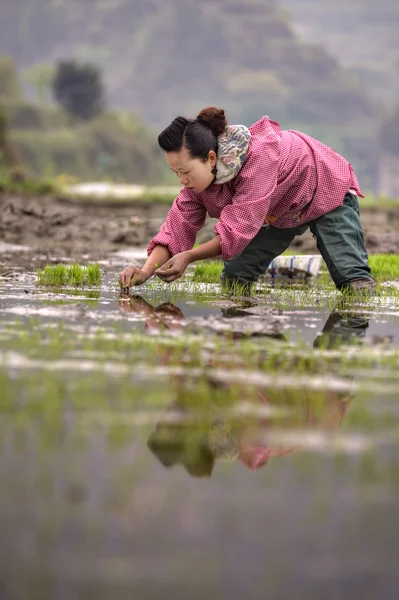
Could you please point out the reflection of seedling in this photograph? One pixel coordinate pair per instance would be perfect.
(73, 275)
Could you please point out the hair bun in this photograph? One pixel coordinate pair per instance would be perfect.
(213, 118)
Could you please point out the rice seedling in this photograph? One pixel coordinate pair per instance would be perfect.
(72, 275)
(53, 275)
(208, 272)
(93, 275)
(384, 266)
(76, 275)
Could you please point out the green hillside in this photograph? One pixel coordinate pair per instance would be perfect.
(362, 34)
(47, 142)
(165, 58)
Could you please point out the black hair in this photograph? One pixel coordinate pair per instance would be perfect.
(199, 135)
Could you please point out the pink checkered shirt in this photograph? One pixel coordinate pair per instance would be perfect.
(288, 178)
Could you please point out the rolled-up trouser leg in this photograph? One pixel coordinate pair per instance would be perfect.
(269, 242)
(340, 241)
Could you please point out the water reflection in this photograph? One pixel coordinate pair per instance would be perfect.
(202, 437)
(164, 316)
(201, 428)
(341, 327)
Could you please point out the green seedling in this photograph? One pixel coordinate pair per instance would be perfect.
(208, 272)
(384, 267)
(72, 275)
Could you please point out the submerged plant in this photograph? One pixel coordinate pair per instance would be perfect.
(73, 275)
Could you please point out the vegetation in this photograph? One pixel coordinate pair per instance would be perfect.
(49, 142)
(109, 147)
(40, 78)
(15, 181)
(207, 378)
(384, 267)
(246, 59)
(114, 146)
(209, 271)
(379, 202)
(79, 89)
(72, 275)
(7, 156)
(9, 80)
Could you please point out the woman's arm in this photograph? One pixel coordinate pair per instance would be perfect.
(177, 235)
(210, 249)
(158, 257)
(185, 218)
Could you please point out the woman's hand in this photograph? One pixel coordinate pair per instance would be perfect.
(133, 276)
(174, 267)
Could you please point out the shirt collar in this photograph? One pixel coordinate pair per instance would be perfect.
(232, 151)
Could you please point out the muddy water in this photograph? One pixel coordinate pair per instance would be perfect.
(131, 476)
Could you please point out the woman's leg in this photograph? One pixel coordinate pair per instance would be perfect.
(253, 261)
(340, 241)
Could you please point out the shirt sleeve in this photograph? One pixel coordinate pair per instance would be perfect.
(185, 218)
(241, 220)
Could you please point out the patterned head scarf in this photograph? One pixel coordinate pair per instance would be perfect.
(233, 146)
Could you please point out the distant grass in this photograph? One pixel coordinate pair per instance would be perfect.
(73, 275)
(385, 267)
(167, 198)
(160, 198)
(372, 201)
(149, 195)
(146, 198)
(27, 187)
(156, 196)
(208, 272)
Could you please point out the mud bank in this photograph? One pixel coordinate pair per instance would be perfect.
(72, 227)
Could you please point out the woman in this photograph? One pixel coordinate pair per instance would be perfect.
(266, 186)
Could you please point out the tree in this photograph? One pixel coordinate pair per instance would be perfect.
(41, 77)
(9, 83)
(7, 154)
(79, 89)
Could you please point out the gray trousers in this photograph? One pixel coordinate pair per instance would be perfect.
(340, 241)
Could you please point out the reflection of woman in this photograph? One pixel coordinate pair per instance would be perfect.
(196, 441)
(164, 316)
(197, 430)
(342, 327)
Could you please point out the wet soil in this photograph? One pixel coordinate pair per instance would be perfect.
(76, 227)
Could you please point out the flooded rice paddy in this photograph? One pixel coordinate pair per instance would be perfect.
(183, 443)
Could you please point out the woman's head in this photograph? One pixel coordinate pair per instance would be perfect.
(191, 147)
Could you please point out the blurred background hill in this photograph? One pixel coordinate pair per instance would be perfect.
(326, 68)
(362, 34)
